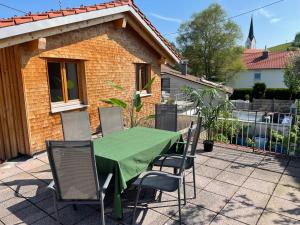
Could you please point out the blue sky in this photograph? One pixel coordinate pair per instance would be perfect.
(273, 25)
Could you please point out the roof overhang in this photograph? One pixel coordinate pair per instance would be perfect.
(22, 33)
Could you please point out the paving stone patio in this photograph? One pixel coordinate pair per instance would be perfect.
(233, 188)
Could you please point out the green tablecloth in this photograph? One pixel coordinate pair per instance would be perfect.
(129, 153)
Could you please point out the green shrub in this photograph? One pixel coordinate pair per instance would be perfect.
(271, 93)
(259, 90)
(221, 138)
(241, 94)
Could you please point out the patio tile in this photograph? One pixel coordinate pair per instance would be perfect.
(6, 192)
(231, 178)
(247, 161)
(13, 205)
(35, 196)
(29, 164)
(290, 181)
(292, 171)
(43, 157)
(8, 169)
(95, 219)
(272, 166)
(217, 163)
(48, 205)
(240, 169)
(208, 171)
(242, 212)
(289, 193)
(146, 216)
(259, 185)
(23, 183)
(271, 218)
(266, 175)
(43, 173)
(45, 221)
(209, 201)
(251, 198)
(27, 215)
(200, 159)
(284, 207)
(201, 181)
(69, 216)
(226, 156)
(192, 214)
(222, 188)
(223, 220)
(294, 163)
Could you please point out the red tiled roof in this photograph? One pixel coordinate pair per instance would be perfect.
(253, 59)
(83, 9)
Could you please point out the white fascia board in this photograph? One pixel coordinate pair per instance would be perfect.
(31, 27)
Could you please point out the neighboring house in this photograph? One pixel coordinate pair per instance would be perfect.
(173, 82)
(262, 66)
(61, 61)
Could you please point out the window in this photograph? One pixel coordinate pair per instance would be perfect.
(64, 83)
(143, 75)
(257, 76)
(165, 85)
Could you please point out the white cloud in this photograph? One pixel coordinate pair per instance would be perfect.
(267, 14)
(170, 19)
(275, 20)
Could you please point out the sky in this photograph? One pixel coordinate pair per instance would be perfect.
(273, 25)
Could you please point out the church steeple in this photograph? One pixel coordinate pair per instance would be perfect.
(251, 42)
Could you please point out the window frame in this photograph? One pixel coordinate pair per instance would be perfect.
(66, 104)
(138, 78)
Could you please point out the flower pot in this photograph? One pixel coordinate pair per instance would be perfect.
(208, 145)
(261, 143)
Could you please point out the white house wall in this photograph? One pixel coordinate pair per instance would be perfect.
(273, 78)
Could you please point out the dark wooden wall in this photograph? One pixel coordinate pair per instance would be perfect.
(13, 123)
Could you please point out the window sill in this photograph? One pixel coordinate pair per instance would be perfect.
(67, 107)
(143, 95)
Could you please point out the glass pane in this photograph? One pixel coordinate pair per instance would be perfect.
(137, 77)
(144, 75)
(55, 81)
(72, 81)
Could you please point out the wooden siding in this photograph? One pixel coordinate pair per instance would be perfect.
(13, 126)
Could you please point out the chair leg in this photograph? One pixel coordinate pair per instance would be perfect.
(135, 205)
(194, 180)
(74, 207)
(56, 209)
(179, 204)
(184, 191)
(102, 209)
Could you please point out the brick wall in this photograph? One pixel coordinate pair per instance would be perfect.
(107, 54)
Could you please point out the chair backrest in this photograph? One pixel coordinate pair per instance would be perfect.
(76, 126)
(111, 120)
(74, 170)
(188, 140)
(166, 117)
(196, 136)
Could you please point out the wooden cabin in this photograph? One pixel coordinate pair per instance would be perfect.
(61, 61)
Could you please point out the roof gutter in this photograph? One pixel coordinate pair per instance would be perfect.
(12, 35)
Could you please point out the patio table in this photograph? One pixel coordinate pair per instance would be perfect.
(129, 153)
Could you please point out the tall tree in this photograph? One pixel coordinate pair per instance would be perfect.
(209, 41)
(292, 76)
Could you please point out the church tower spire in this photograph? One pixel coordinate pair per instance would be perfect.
(251, 42)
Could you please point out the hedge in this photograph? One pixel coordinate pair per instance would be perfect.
(271, 93)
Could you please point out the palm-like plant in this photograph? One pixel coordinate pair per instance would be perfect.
(210, 104)
(134, 105)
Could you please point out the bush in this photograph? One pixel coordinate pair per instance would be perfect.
(259, 90)
(271, 93)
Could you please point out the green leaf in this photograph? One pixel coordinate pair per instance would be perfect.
(118, 102)
(137, 101)
(138, 108)
(149, 84)
(116, 86)
(107, 101)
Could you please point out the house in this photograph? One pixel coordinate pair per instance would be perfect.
(173, 81)
(262, 66)
(61, 61)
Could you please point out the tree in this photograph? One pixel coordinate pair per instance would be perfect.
(259, 90)
(292, 76)
(209, 42)
(296, 42)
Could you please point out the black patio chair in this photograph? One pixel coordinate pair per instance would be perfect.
(75, 178)
(166, 117)
(76, 126)
(163, 181)
(111, 120)
(174, 160)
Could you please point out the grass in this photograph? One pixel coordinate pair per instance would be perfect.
(280, 48)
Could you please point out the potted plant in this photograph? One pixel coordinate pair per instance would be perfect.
(276, 141)
(210, 104)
